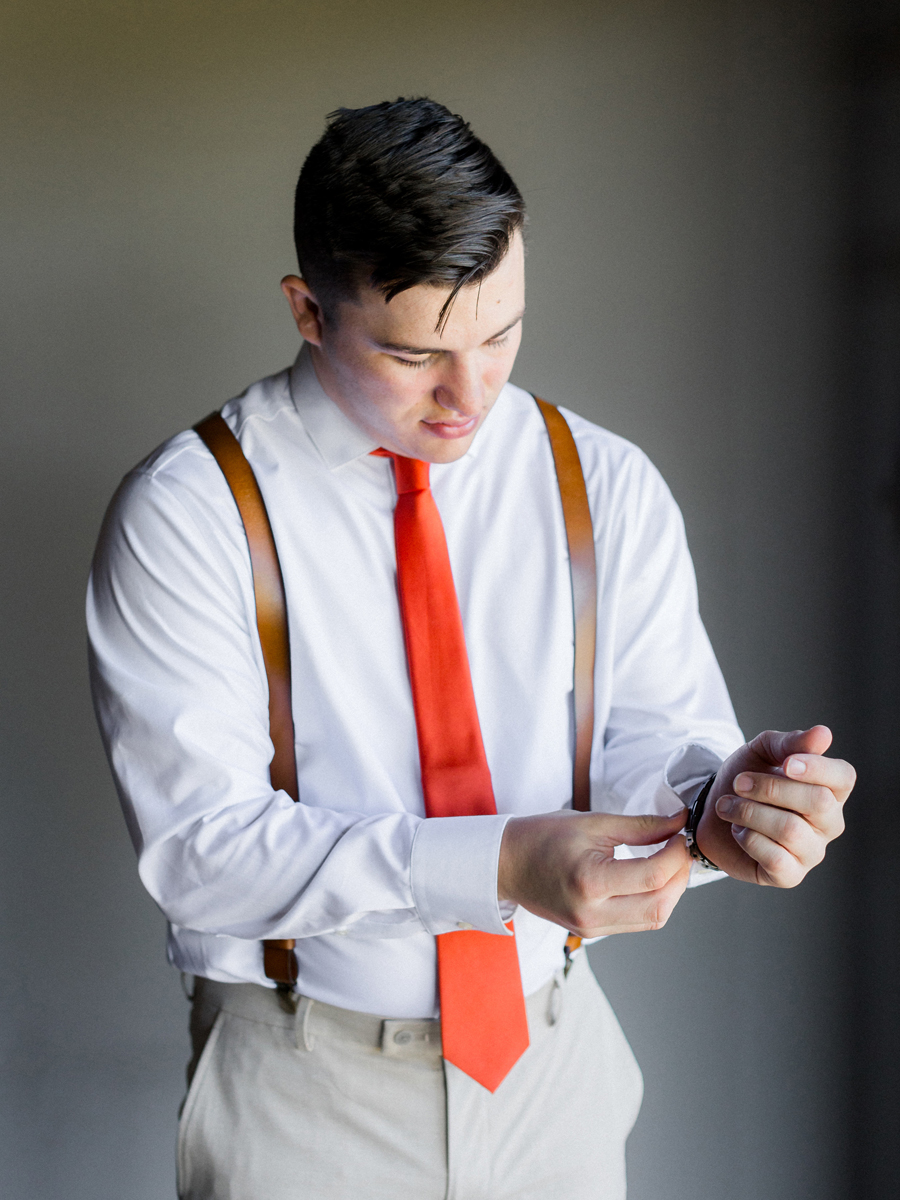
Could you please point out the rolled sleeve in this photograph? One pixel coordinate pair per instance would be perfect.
(688, 768)
(454, 873)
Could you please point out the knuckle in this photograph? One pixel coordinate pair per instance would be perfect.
(647, 823)
(768, 787)
(655, 878)
(783, 868)
(658, 914)
(845, 771)
(779, 859)
(582, 884)
(821, 801)
(576, 918)
(761, 742)
(793, 828)
(743, 811)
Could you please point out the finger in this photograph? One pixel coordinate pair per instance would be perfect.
(832, 773)
(818, 805)
(632, 876)
(776, 866)
(643, 830)
(774, 747)
(639, 913)
(789, 830)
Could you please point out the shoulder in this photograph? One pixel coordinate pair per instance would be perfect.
(184, 471)
(184, 456)
(178, 492)
(618, 474)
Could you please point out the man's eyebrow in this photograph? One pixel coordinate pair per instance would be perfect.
(396, 346)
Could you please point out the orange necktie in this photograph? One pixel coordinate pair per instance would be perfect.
(483, 1023)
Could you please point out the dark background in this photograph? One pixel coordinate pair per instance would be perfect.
(713, 272)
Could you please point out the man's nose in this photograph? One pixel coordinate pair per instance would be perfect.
(461, 388)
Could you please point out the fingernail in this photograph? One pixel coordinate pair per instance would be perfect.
(724, 805)
(796, 766)
(743, 783)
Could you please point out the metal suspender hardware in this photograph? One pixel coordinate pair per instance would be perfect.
(279, 960)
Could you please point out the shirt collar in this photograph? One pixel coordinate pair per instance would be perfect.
(334, 435)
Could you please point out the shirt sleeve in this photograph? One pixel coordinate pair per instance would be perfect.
(181, 697)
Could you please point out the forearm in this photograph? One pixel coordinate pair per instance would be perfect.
(221, 852)
(180, 693)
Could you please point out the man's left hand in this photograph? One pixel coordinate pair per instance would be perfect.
(775, 806)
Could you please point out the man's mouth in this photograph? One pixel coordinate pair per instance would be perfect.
(452, 429)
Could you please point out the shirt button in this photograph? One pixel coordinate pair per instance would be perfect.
(464, 925)
(403, 1037)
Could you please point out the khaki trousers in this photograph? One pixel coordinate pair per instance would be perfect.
(328, 1104)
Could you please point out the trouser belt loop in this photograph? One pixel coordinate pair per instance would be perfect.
(302, 1035)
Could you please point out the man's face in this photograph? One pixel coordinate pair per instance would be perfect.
(417, 392)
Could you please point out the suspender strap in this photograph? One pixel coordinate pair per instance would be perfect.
(583, 565)
(271, 617)
(271, 614)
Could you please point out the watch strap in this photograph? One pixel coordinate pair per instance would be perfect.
(695, 812)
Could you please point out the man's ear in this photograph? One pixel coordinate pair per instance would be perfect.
(305, 307)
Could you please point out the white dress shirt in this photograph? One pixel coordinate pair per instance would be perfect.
(355, 871)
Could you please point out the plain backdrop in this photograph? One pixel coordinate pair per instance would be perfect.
(712, 194)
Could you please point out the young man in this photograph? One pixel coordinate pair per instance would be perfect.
(424, 1051)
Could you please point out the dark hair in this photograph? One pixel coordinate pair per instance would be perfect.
(399, 194)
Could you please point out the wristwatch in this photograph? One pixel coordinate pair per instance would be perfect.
(695, 812)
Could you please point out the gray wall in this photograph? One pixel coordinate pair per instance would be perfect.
(868, 474)
(691, 185)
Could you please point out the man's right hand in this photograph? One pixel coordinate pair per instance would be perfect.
(560, 866)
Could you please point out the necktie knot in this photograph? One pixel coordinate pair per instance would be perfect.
(411, 474)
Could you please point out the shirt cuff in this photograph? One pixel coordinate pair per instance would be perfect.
(688, 768)
(453, 873)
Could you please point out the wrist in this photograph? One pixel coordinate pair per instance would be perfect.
(695, 815)
(527, 854)
(507, 861)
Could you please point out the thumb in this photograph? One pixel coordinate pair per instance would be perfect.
(643, 830)
(774, 747)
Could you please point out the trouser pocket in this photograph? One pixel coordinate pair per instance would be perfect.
(204, 1036)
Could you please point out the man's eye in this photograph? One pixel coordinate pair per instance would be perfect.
(500, 341)
(415, 362)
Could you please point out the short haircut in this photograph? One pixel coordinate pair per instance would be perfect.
(399, 194)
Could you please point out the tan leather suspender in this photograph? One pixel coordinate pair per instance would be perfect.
(271, 615)
(279, 960)
(583, 567)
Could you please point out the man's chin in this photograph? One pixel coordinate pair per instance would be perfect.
(438, 450)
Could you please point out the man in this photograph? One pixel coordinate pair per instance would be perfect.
(410, 303)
